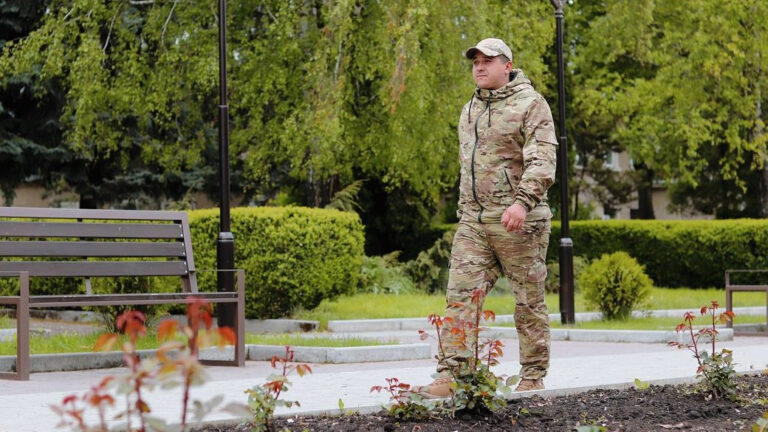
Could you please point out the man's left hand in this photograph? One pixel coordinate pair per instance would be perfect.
(514, 217)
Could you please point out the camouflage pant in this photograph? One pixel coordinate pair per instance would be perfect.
(479, 254)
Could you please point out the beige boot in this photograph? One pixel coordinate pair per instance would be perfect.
(441, 387)
(527, 384)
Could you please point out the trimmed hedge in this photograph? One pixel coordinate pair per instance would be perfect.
(292, 256)
(675, 253)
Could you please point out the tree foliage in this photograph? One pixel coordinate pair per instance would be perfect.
(680, 86)
(322, 93)
(118, 99)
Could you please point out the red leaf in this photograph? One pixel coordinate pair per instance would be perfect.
(489, 315)
(167, 330)
(207, 319)
(703, 310)
(106, 380)
(376, 389)
(227, 334)
(131, 322)
(142, 406)
(303, 369)
(105, 342)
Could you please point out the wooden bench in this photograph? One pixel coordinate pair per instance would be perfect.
(730, 288)
(102, 243)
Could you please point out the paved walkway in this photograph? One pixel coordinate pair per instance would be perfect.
(576, 366)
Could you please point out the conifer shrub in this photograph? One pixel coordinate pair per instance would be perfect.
(615, 284)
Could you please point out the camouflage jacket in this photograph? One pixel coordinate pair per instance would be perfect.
(507, 152)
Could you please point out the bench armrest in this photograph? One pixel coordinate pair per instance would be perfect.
(23, 287)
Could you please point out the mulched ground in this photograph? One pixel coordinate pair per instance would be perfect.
(657, 408)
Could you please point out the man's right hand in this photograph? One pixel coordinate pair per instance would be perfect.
(514, 217)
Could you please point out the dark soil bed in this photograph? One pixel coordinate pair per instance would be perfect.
(656, 408)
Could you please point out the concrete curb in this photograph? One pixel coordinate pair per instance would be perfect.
(641, 336)
(104, 360)
(61, 315)
(264, 326)
(361, 354)
(394, 324)
(7, 335)
(96, 360)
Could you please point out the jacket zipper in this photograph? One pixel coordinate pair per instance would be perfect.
(474, 149)
(507, 177)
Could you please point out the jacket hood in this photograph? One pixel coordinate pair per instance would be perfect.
(519, 82)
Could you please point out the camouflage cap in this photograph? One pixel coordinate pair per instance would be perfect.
(491, 47)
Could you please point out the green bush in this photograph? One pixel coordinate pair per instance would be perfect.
(383, 275)
(292, 256)
(429, 270)
(674, 253)
(615, 284)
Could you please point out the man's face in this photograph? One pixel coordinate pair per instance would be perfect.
(490, 72)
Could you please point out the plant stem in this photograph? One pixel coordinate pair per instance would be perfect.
(714, 331)
(185, 400)
(695, 345)
(476, 330)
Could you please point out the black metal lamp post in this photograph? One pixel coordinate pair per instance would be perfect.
(567, 314)
(225, 244)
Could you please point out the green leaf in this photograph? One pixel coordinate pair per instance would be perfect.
(641, 385)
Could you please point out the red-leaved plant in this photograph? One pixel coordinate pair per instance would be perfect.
(476, 386)
(263, 399)
(174, 362)
(716, 373)
(407, 405)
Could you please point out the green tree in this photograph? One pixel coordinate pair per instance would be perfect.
(29, 122)
(322, 93)
(679, 85)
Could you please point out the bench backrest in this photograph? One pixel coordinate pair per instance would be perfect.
(97, 243)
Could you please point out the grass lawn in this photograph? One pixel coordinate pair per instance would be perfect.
(372, 306)
(71, 343)
(650, 323)
(296, 339)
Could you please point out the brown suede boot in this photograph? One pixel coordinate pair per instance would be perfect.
(527, 384)
(441, 387)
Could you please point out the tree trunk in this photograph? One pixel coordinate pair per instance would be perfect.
(645, 195)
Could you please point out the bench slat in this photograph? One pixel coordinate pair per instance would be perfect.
(90, 249)
(94, 230)
(132, 299)
(96, 268)
(59, 213)
(747, 288)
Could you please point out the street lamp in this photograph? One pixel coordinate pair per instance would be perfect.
(225, 244)
(567, 315)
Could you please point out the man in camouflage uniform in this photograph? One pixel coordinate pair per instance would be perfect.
(507, 155)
